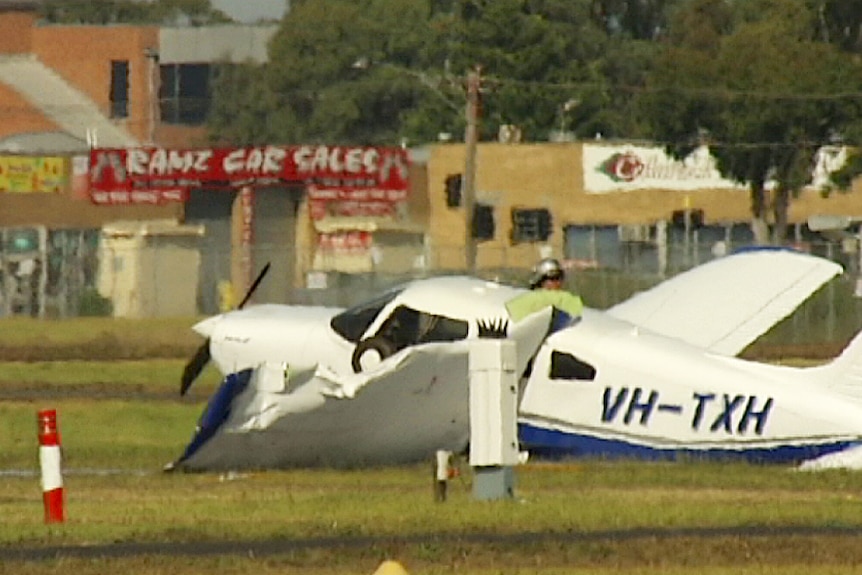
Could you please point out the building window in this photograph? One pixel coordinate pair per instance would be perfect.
(185, 93)
(483, 222)
(594, 246)
(531, 225)
(453, 190)
(119, 89)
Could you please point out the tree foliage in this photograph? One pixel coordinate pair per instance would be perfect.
(752, 82)
(384, 71)
(196, 12)
(242, 107)
(839, 22)
(335, 69)
(636, 19)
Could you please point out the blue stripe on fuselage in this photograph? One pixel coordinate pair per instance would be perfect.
(554, 444)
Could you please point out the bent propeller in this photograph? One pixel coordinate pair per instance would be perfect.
(201, 358)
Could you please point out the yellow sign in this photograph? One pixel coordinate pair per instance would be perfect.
(33, 174)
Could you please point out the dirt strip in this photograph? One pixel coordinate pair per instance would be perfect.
(270, 547)
(96, 391)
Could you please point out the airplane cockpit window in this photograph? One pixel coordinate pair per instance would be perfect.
(407, 326)
(567, 366)
(352, 323)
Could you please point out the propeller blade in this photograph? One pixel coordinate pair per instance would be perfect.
(253, 287)
(195, 366)
(202, 356)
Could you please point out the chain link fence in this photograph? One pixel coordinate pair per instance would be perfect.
(70, 273)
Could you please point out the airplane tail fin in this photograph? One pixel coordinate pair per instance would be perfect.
(844, 373)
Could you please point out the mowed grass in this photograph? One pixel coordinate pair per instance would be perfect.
(586, 497)
(77, 372)
(144, 356)
(124, 435)
(379, 510)
(116, 494)
(96, 338)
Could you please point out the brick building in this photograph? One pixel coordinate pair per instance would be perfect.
(562, 199)
(68, 88)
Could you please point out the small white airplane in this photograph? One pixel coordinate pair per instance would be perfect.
(653, 377)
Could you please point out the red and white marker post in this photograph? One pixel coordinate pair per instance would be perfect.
(49, 461)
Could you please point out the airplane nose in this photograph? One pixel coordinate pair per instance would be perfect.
(206, 327)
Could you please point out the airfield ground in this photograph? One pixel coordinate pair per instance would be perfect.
(121, 419)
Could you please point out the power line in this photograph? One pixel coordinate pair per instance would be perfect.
(726, 93)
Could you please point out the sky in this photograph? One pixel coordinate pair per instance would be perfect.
(251, 10)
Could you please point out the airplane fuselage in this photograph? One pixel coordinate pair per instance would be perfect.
(392, 421)
(649, 396)
(295, 335)
(653, 396)
(387, 380)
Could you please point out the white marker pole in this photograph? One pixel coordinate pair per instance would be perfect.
(493, 416)
(441, 474)
(49, 461)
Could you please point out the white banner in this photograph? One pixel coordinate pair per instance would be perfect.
(622, 168)
(610, 168)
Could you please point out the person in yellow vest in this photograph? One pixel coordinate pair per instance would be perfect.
(547, 274)
(547, 289)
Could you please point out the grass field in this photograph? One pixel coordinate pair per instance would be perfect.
(96, 338)
(125, 515)
(364, 517)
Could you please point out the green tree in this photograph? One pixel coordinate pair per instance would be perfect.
(341, 69)
(550, 66)
(242, 107)
(755, 86)
(839, 22)
(638, 19)
(379, 71)
(197, 12)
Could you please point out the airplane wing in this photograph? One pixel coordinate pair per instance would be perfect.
(727, 303)
(850, 458)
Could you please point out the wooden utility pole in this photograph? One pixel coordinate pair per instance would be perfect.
(468, 182)
(152, 56)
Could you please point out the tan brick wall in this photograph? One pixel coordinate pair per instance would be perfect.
(507, 176)
(417, 200)
(838, 203)
(60, 211)
(549, 175)
(83, 54)
(16, 32)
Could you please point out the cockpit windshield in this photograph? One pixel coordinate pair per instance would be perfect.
(352, 323)
(407, 326)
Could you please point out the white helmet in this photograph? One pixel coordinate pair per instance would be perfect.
(546, 269)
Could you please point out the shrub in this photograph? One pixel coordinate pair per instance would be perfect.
(93, 304)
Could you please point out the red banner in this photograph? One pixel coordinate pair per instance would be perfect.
(246, 239)
(345, 243)
(156, 175)
(321, 209)
(120, 197)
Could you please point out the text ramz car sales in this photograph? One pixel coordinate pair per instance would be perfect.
(155, 175)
